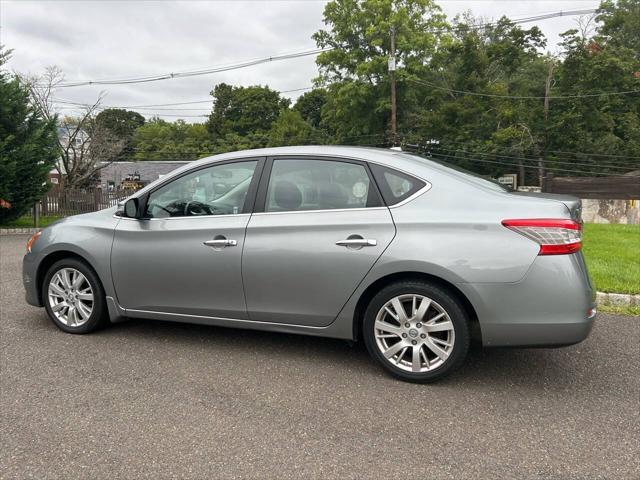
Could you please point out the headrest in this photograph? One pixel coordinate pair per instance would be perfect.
(287, 195)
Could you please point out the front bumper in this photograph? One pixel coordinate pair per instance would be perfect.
(30, 264)
(553, 305)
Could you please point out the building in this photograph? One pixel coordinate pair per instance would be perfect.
(118, 175)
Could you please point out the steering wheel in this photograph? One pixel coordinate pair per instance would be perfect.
(157, 205)
(195, 208)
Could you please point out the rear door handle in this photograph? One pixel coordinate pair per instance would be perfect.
(357, 242)
(220, 243)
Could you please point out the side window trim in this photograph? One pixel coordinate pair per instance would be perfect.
(251, 192)
(261, 197)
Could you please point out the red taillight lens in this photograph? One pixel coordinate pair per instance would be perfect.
(555, 237)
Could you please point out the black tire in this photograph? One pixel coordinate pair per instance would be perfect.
(444, 299)
(99, 315)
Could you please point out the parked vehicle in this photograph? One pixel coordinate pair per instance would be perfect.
(411, 256)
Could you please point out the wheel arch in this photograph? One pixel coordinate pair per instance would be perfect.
(368, 294)
(52, 258)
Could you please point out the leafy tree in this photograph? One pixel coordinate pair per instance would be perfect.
(290, 129)
(162, 140)
(606, 62)
(498, 59)
(28, 147)
(310, 104)
(359, 33)
(244, 110)
(123, 124)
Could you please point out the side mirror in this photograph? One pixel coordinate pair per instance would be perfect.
(131, 208)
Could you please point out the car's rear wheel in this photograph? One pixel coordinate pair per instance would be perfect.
(73, 297)
(417, 331)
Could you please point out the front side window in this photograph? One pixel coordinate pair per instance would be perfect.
(318, 185)
(217, 190)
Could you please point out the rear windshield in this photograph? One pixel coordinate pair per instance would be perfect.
(459, 171)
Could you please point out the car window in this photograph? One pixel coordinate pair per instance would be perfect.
(318, 185)
(216, 190)
(395, 186)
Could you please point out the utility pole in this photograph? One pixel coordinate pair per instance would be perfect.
(542, 167)
(392, 76)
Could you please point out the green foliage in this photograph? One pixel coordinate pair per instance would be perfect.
(290, 129)
(28, 147)
(122, 124)
(611, 252)
(161, 140)
(356, 70)
(244, 110)
(310, 105)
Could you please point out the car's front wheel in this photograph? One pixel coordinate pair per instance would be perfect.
(73, 296)
(417, 331)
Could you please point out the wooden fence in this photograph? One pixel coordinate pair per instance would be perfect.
(618, 187)
(63, 202)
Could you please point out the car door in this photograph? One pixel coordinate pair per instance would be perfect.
(184, 256)
(318, 228)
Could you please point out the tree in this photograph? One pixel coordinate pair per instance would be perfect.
(28, 147)
(244, 110)
(359, 35)
(310, 104)
(290, 129)
(606, 61)
(84, 147)
(122, 124)
(162, 140)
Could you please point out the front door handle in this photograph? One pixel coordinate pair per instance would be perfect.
(357, 242)
(220, 243)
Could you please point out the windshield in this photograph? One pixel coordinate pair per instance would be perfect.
(478, 179)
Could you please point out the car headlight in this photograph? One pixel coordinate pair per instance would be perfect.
(32, 240)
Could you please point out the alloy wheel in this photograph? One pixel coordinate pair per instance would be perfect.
(414, 333)
(70, 297)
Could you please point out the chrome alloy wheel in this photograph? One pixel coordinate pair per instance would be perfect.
(414, 333)
(70, 297)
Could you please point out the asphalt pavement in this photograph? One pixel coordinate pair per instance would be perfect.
(158, 400)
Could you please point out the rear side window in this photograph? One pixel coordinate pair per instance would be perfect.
(307, 184)
(395, 186)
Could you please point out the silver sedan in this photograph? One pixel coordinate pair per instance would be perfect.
(414, 257)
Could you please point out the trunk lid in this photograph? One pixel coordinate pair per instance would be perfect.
(573, 204)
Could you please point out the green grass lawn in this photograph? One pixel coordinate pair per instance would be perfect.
(613, 257)
(27, 222)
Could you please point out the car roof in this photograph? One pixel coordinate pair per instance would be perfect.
(364, 153)
(396, 159)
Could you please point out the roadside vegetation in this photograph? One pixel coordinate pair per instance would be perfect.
(26, 221)
(612, 253)
(613, 257)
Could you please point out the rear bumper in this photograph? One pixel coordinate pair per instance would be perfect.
(553, 305)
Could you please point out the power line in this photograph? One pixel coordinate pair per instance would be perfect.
(531, 159)
(563, 154)
(194, 73)
(520, 97)
(287, 56)
(194, 102)
(532, 167)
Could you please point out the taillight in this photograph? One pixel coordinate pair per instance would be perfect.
(555, 237)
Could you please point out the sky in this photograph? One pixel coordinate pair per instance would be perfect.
(92, 40)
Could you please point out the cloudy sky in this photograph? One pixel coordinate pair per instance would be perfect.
(92, 40)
